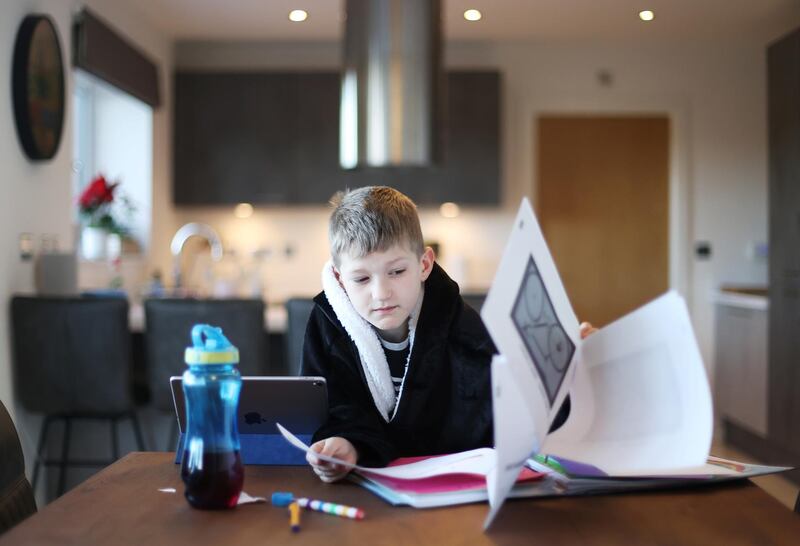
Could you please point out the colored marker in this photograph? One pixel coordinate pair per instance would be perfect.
(282, 498)
(294, 517)
(331, 508)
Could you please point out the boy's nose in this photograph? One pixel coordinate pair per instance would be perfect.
(381, 291)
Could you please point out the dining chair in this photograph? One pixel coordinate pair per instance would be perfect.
(16, 494)
(72, 362)
(297, 312)
(168, 323)
(474, 300)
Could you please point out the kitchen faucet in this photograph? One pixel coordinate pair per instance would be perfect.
(179, 239)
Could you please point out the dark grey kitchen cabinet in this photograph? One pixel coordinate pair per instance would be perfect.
(784, 212)
(782, 442)
(315, 141)
(273, 138)
(217, 159)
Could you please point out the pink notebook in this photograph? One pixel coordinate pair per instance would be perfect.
(447, 483)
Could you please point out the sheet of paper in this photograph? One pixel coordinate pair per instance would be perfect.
(245, 498)
(719, 467)
(531, 321)
(514, 436)
(476, 461)
(575, 481)
(641, 404)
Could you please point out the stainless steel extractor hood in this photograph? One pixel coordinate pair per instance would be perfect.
(391, 83)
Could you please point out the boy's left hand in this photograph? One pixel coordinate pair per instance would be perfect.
(587, 329)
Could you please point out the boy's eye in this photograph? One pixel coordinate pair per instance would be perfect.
(398, 271)
(360, 280)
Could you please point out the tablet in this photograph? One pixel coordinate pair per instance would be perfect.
(298, 403)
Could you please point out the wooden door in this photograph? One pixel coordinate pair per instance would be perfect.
(603, 203)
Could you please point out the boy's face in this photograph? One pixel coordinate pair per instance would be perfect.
(384, 286)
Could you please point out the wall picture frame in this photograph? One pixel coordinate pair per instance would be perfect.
(38, 87)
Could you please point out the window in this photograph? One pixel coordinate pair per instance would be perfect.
(113, 136)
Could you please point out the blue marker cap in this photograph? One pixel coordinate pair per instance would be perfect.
(282, 498)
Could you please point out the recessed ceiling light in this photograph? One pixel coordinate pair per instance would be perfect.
(472, 15)
(243, 210)
(298, 15)
(449, 210)
(647, 15)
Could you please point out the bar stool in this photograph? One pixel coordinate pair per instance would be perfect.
(72, 361)
(474, 300)
(167, 326)
(297, 312)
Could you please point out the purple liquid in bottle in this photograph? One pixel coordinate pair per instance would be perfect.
(215, 484)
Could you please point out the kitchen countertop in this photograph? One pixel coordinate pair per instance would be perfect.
(274, 318)
(746, 297)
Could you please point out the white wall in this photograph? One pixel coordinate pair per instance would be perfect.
(38, 196)
(715, 97)
(716, 100)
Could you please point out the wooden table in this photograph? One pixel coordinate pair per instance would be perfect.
(122, 505)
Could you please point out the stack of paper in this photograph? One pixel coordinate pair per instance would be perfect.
(425, 482)
(461, 478)
(466, 486)
(569, 478)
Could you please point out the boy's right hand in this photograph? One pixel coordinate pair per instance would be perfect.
(587, 329)
(334, 446)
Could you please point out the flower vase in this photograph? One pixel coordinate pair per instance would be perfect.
(113, 246)
(93, 243)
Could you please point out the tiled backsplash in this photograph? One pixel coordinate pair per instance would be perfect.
(289, 246)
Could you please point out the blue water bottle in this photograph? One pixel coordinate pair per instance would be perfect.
(211, 467)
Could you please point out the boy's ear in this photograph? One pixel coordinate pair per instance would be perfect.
(338, 276)
(427, 259)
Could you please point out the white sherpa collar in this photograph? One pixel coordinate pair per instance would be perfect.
(373, 359)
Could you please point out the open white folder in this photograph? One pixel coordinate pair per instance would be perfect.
(640, 401)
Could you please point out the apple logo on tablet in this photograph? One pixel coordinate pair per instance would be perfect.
(253, 418)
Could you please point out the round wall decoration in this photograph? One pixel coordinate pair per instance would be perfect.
(38, 87)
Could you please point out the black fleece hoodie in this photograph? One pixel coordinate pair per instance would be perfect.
(446, 403)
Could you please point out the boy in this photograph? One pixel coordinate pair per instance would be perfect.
(406, 361)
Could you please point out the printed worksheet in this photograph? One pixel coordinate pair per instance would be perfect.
(532, 322)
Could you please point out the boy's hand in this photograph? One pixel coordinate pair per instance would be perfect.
(587, 329)
(332, 447)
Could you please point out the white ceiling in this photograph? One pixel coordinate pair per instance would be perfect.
(547, 21)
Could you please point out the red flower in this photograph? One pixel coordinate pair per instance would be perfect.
(96, 193)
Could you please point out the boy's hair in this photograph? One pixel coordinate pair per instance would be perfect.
(372, 218)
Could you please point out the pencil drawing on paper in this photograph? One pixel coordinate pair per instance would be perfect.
(544, 337)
